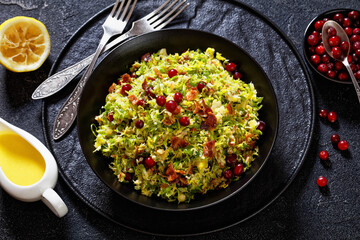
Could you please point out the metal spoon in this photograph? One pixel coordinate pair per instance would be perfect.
(344, 38)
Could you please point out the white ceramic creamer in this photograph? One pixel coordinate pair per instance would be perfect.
(24, 178)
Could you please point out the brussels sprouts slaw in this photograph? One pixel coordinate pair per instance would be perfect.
(152, 145)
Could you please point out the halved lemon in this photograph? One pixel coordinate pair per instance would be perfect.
(24, 44)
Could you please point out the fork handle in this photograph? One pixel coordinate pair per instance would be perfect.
(59, 80)
(68, 111)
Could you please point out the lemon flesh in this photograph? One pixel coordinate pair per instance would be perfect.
(24, 44)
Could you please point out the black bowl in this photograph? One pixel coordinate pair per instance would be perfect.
(174, 40)
(310, 28)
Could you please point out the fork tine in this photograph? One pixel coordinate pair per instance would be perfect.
(159, 24)
(125, 10)
(156, 17)
(115, 7)
(157, 10)
(130, 12)
(119, 9)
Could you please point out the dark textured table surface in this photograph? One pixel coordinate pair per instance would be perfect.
(301, 212)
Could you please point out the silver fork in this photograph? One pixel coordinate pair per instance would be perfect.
(155, 20)
(113, 25)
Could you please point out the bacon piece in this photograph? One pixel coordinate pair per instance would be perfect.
(192, 94)
(170, 172)
(125, 78)
(133, 99)
(144, 85)
(158, 73)
(178, 142)
(112, 88)
(203, 110)
(146, 57)
(177, 110)
(228, 107)
(211, 121)
(209, 149)
(169, 120)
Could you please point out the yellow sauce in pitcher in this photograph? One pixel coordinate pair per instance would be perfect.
(21, 163)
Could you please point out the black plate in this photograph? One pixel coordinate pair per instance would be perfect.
(280, 60)
(175, 41)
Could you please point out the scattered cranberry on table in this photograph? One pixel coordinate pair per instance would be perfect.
(350, 21)
(332, 116)
(343, 145)
(321, 181)
(323, 113)
(335, 139)
(324, 155)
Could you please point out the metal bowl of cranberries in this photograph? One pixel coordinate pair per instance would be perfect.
(315, 53)
(118, 62)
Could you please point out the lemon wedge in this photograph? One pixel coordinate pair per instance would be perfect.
(24, 44)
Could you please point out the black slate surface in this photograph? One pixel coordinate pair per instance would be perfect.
(301, 212)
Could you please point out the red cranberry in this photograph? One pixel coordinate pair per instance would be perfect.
(338, 66)
(336, 51)
(316, 33)
(354, 38)
(354, 15)
(141, 102)
(149, 162)
(125, 89)
(347, 22)
(339, 18)
(238, 169)
(261, 126)
(334, 41)
(149, 92)
(356, 31)
(357, 52)
(110, 116)
(139, 124)
(228, 174)
(325, 58)
(172, 73)
(344, 46)
(343, 145)
(320, 50)
(322, 68)
(331, 31)
(315, 59)
(348, 31)
(312, 40)
(323, 113)
(128, 176)
(356, 45)
(357, 74)
(335, 139)
(171, 106)
(332, 116)
(230, 67)
(311, 50)
(231, 159)
(201, 86)
(324, 155)
(160, 100)
(318, 25)
(321, 181)
(330, 65)
(331, 74)
(184, 121)
(237, 75)
(178, 97)
(343, 76)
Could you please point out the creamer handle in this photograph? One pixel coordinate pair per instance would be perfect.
(54, 202)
